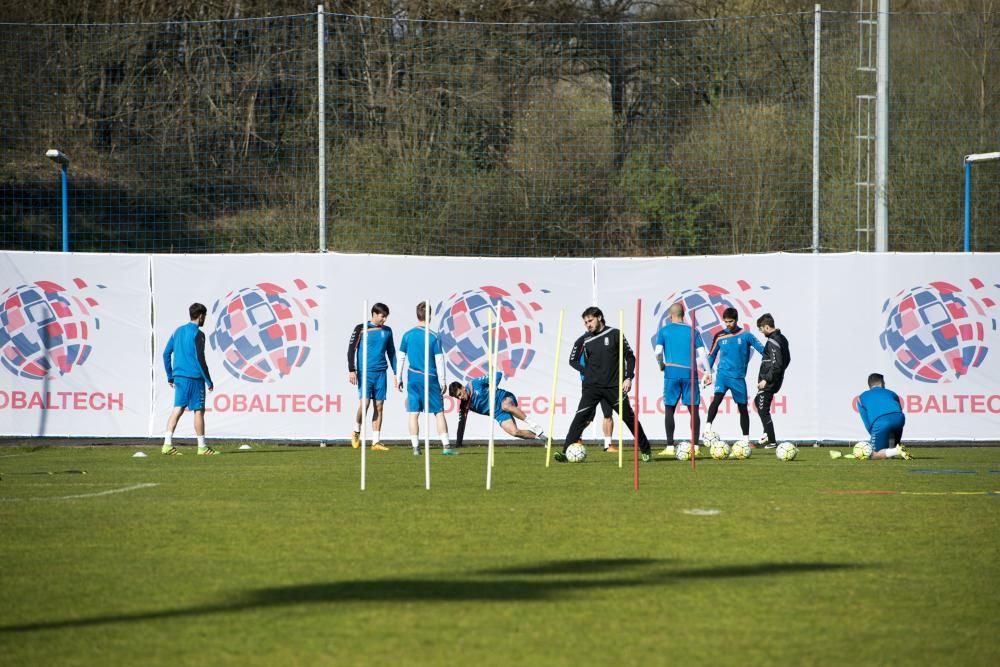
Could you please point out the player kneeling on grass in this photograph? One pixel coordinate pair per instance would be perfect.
(187, 373)
(882, 413)
(475, 396)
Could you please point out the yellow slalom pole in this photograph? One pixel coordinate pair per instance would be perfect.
(552, 403)
(621, 380)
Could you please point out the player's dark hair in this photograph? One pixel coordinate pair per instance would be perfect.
(380, 309)
(594, 311)
(731, 314)
(876, 380)
(196, 310)
(765, 319)
(422, 311)
(454, 388)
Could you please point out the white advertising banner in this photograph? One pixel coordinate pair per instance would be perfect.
(74, 344)
(82, 336)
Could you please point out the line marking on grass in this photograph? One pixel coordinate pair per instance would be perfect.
(867, 492)
(944, 471)
(134, 487)
(702, 512)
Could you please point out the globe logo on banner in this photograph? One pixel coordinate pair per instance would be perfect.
(937, 332)
(263, 331)
(45, 329)
(706, 304)
(463, 329)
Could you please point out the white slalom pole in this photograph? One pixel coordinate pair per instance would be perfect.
(621, 376)
(364, 389)
(552, 402)
(427, 395)
(489, 371)
(493, 386)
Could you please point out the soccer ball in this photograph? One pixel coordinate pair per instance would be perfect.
(786, 451)
(740, 450)
(862, 450)
(719, 450)
(683, 451)
(576, 453)
(708, 437)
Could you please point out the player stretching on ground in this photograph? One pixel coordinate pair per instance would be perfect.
(412, 368)
(882, 413)
(673, 353)
(475, 396)
(380, 348)
(187, 373)
(595, 357)
(773, 363)
(732, 346)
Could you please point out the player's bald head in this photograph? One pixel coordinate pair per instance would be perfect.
(677, 310)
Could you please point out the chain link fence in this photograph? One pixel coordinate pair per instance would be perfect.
(450, 138)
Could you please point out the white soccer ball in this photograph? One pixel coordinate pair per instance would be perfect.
(719, 450)
(708, 437)
(862, 450)
(576, 453)
(682, 452)
(786, 451)
(740, 450)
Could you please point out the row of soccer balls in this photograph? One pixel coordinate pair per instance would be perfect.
(719, 450)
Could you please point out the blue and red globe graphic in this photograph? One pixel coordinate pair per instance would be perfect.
(463, 328)
(937, 332)
(263, 331)
(45, 329)
(706, 304)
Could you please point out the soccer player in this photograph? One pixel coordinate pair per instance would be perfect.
(381, 354)
(608, 425)
(412, 368)
(773, 363)
(475, 396)
(732, 346)
(595, 357)
(882, 413)
(187, 373)
(673, 354)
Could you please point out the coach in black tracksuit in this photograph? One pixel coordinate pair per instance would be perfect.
(772, 373)
(595, 356)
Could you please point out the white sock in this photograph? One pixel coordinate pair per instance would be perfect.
(415, 441)
(168, 439)
(201, 442)
(444, 440)
(708, 427)
(891, 453)
(357, 427)
(607, 441)
(746, 438)
(375, 436)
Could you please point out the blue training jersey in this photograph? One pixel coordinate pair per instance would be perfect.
(184, 355)
(479, 394)
(675, 339)
(412, 346)
(877, 402)
(732, 346)
(381, 349)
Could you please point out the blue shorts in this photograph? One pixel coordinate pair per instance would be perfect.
(376, 381)
(736, 386)
(189, 393)
(887, 430)
(415, 397)
(499, 413)
(676, 388)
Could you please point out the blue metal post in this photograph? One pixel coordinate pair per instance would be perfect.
(968, 203)
(65, 206)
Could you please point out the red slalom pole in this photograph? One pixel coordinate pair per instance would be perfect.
(694, 378)
(635, 409)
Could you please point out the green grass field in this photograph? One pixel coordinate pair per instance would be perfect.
(275, 557)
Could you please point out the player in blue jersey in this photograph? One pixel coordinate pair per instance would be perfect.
(674, 344)
(417, 372)
(381, 355)
(882, 413)
(187, 373)
(733, 347)
(475, 397)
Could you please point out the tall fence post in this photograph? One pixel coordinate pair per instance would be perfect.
(882, 131)
(321, 83)
(817, 27)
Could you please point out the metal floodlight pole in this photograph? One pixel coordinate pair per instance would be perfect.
(321, 103)
(817, 31)
(882, 131)
(62, 160)
(969, 159)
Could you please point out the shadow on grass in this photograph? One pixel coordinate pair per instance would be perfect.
(481, 587)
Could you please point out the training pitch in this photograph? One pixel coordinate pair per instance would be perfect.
(273, 556)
